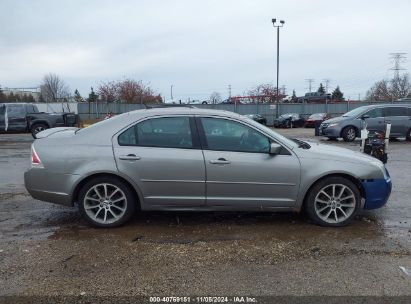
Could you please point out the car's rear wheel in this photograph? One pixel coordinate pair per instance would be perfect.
(349, 133)
(333, 201)
(37, 128)
(106, 202)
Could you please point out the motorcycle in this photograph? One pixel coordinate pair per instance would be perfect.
(375, 145)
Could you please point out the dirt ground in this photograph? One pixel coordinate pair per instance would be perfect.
(47, 249)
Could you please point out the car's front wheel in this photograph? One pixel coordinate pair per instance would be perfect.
(349, 133)
(333, 201)
(106, 202)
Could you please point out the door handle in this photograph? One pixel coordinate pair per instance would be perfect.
(220, 161)
(129, 157)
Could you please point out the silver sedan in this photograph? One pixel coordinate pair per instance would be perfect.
(190, 159)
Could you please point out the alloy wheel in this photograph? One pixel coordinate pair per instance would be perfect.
(105, 203)
(335, 203)
(351, 134)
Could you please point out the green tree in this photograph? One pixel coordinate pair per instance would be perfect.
(77, 96)
(11, 97)
(92, 97)
(337, 94)
(41, 98)
(321, 89)
(30, 98)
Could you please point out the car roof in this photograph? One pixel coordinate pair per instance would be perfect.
(386, 105)
(182, 111)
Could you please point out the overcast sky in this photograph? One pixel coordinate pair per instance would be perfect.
(202, 46)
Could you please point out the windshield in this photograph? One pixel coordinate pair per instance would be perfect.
(316, 116)
(287, 115)
(354, 112)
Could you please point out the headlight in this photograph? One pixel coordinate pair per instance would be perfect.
(333, 125)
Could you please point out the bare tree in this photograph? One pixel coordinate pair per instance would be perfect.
(385, 90)
(108, 91)
(54, 89)
(265, 92)
(129, 91)
(215, 97)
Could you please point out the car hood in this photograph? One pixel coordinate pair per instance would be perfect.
(328, 152)
(336, 119)
(57, 132)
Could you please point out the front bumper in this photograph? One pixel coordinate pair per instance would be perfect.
(330, 131)
(377, 192)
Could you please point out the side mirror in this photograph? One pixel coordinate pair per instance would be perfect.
(365, 116)
(275, 149)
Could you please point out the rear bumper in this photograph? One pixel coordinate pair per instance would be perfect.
(377, 192)
(50, 187)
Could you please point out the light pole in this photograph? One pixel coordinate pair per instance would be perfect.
(278, 58)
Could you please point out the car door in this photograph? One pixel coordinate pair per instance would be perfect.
(399, 120)
(163, 156)
(240, 171)
(16, 118)
(375, 121)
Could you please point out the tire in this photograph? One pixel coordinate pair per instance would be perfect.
(349, 134)
(106, 202)
(38, 127)
(326, 209)
(408, 136)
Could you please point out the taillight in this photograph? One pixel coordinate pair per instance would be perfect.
(35, 159)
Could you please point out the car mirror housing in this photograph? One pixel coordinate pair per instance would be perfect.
(275, 149)
(365, 116)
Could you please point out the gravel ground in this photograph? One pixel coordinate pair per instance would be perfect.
(48, 250)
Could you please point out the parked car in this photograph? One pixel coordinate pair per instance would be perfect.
(313, 118)
(289, 120)
(316, 97)
(257, 118)
(190, 159)
(376, 117)
(25, 117)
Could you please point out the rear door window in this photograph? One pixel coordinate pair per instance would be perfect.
(167, 132)
(396, 111)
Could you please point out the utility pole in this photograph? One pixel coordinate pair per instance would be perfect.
(397, 59)
(171, 89)
(229, 92)
(310, 83)
(327, 83)
(278, 60)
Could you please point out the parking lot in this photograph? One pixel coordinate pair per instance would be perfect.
(47, 249)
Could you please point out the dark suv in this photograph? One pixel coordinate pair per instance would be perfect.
(376, 117)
